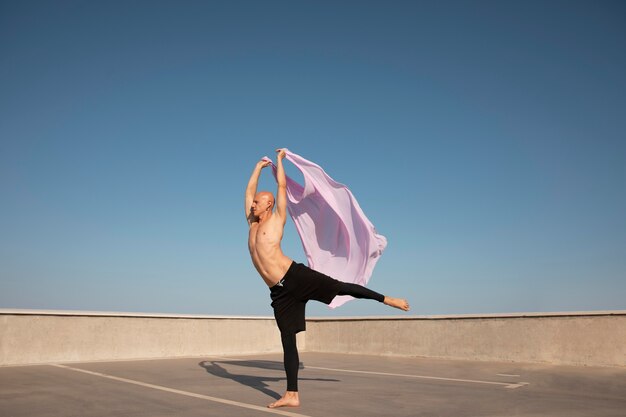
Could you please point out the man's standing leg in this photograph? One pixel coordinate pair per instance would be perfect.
(291, 361)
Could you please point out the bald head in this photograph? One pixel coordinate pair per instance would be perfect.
(263, 202)
(266, 196)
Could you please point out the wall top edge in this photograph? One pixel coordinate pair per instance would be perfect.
(28, 312)
(477, 316)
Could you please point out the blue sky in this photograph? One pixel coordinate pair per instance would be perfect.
(484, 139)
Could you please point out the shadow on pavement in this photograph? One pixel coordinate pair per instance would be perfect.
(258, 383)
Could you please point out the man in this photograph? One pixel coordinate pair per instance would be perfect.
(291, 284)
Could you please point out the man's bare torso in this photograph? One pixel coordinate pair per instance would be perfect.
(264, 245)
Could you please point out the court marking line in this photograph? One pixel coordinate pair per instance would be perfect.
(439, 378)
(509, 385)
(180, 392)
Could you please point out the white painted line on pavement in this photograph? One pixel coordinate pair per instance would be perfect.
(519, 384)
(187, 393)
(473, 381)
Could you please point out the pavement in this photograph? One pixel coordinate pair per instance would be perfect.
(330, 385)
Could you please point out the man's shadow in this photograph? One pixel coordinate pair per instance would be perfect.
(259, 383)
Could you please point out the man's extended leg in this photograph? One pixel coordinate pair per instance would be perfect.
(291, 361)
(358, 291)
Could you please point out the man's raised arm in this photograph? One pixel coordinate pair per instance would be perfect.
(281, 194)
(252, 184)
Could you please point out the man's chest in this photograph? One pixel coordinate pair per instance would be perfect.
(263, 234)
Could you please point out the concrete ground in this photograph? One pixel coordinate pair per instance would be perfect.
(330, 385)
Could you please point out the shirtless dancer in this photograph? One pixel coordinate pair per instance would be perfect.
(291, 284)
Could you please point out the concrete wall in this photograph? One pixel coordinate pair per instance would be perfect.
(41, 337)
(593, 338)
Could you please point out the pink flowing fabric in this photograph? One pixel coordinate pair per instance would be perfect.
(337, 237)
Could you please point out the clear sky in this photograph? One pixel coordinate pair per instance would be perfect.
(486, 140)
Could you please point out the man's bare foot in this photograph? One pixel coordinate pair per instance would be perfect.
(290, 399)
(400, 303)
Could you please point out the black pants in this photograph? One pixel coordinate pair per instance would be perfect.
(291, 358)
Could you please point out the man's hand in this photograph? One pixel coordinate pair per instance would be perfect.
(281, 153)
(263, 163)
